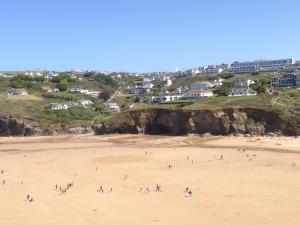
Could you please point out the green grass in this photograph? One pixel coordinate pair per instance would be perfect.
(214, 103)
(125, 101)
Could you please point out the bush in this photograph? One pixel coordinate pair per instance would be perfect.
(22, 81)
(65, 96)
(63, 85)
(225, 89)
(73, 113)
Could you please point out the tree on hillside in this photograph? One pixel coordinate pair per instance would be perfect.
(63, 76)
(261, 85)
(63, 85)
(105, 95)
(225, 89)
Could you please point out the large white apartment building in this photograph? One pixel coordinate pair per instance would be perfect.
(261, 65)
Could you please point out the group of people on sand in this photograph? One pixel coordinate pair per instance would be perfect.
(147, 189)
(101, 190)
(221, 157)
(3, 181)
(63, 190)
(188, 191)
(29, 198)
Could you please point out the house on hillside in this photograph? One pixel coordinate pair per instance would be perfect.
(242, 92)
(201, 85)
(197, 93)
(243, 83)
(94, 94)
(289, 80)
(218, 82)
(168, 97)
(55, 90)
(79, 90)
(58, 106)
(17, 91)
(86, 102)
(112, 107)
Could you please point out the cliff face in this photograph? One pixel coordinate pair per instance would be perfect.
(177, 122)
(10, 126)
(165, 122)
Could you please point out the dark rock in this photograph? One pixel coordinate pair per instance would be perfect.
(177, 122)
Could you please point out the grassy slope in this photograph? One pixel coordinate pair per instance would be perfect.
(23, 107)
(36, 109)
(215, 103)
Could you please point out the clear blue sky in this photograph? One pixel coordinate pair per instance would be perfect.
(144, 35)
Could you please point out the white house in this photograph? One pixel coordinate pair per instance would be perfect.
(17, 91)
(112, 107)
(169, 82)
(79, 90)
(218, 82)
(58, 106)
(243, 83)
(212, 69)
(202, 85)
(55, 90)
(94, 94)
(169, 97)
(164, 98)
(148, 85)
(198, 93)
(242, 92)
(86, 102)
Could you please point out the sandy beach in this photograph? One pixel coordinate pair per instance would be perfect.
(112, 180)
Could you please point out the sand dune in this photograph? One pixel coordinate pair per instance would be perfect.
(257, 186)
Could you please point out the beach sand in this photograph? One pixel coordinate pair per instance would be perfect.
(258, 186)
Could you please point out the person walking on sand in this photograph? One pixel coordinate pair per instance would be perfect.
(190, 193)
(158, 188)
(100, 189)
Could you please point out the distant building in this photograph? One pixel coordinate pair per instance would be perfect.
(6, 75)
(112, 107)
(94, 94)
(202, 85)
(289, 80)
(138, 90)
(242, 92)
(168, 82)
(17, 91)
(165, 98)
(212, 69)
(55, 90)
(261, 65)
(86, 102)
(58, 106)
(218, 82)
(243, 83)
(197, 93)
(79, 90)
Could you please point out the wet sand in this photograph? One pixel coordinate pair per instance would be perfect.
(258, 185)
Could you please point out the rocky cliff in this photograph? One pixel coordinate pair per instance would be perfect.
(11, 126)
(178, 122)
